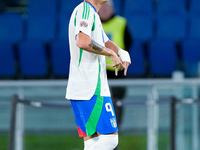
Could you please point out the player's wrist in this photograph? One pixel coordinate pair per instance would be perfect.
(124, 55)
(110, 52)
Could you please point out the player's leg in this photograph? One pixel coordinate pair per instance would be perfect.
(107, 127)
(90, 141)
(106, 142)
(85, 117)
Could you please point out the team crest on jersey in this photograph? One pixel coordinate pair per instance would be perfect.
(113, 122)
(84, 24)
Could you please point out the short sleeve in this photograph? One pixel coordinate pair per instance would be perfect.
(84, 20)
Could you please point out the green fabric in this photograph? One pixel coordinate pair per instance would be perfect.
(94, 116)
(115, 28)
(81, 52)
(93, 26)
(98, 88)
(96, 112)
(75, 18)
(86, 11)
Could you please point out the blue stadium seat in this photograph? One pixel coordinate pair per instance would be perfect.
(172, 6)
(162, 57)
(67, 6)
(194, 27)
(118, 7)
(11, 27)
(66, 9)
(41, 28)
(138, 6)
(63, 27)
(43, 7)
(171, 26)
(195, 7)
(137, 67)
(141, 26)
(60, 58)
(32, 59)
(7, 61)
(191, 55)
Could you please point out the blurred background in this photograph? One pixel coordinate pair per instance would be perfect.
(34, 64)
(164, 33)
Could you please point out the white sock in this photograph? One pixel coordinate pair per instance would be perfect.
(88, 144)
(105, 142)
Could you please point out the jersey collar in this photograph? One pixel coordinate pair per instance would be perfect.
(91, 5)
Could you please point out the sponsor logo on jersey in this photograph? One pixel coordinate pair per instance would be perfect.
(113, 122)
(84, 24)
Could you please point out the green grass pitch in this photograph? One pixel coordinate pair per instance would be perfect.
(73, 142)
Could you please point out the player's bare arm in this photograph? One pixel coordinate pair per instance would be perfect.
(117, 50)
(96, 46)
(86, 43)
(112, 45)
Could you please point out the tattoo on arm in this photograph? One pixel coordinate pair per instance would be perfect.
(96, 46)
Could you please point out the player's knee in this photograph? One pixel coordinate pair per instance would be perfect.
(105, 142)
(110, 141)
(90, 142)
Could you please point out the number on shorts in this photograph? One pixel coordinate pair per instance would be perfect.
(109, 108)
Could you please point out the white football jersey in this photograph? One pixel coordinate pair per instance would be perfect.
(84, 66)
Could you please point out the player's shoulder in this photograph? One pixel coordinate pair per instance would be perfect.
(77, 9)
(83, 6)
(85, 11)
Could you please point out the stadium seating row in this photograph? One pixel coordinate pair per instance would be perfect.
(122, 6)
(159, 58)
(160, 6)
(34, 59)
(162, 57)
(43, 24)
(46, 22)
(142, 26)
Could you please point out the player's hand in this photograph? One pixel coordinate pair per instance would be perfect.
(126, 64)
(117, 62)
(125, 58)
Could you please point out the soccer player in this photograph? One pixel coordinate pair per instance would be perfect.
(87, 87)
